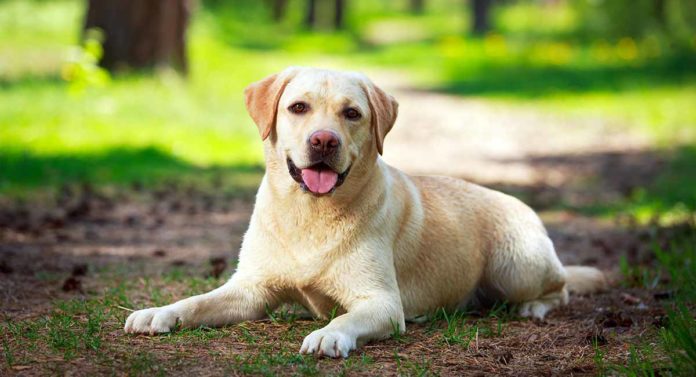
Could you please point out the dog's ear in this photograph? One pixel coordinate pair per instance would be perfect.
(262, 99)
(384, 109)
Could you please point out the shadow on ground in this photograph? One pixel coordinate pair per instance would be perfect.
(524, 80)
(29, 80)
(148, 167)
(609, 183)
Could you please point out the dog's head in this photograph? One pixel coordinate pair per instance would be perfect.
(322, 124)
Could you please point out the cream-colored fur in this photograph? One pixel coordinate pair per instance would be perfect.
(384, 246)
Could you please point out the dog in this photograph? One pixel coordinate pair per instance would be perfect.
(337, 230)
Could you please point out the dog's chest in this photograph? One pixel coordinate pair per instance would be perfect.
(309, 245)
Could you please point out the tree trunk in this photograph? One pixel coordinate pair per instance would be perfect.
(279, 7)
(339, 13)
(311, 16)
(417, 6)
(660, 12)
(141, 33)
(480, 12)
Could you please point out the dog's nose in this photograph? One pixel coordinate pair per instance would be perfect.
(324, 142)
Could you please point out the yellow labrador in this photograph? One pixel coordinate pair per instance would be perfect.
(336, 227)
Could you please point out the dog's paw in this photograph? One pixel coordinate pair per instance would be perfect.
(151, 321)
(330, 343)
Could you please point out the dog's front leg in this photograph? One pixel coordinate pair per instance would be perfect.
(364, 284)
(237, 300)
(371, 318)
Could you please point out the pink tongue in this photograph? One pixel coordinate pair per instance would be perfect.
(319, 181)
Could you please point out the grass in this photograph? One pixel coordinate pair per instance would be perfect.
(153, 126)
(463, 329)
(675, 353)
(71, 328)
(89, 326)
(135, 128)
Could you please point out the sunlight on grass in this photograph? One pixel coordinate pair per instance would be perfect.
(36, 43)
(200, 121)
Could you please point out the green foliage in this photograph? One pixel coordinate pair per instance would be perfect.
(82, 69)
(461, 329)
(415, 368)
(397, 332)
(72, 327)
(144, 364)
(677, 336)
(285, 314)
(267, 361)
(639, 363)
(668, 199)
(149, 167)
(150, 128)
(674, 20)
(7, 352)
(598, 358)
(679, 260)
(637, 275)
(679, 339)
(456, 331)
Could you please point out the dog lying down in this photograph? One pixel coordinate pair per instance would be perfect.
(334, 226)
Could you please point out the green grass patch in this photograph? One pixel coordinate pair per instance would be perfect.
(462, 329)
(146, 167)
(676, 342)
(161, 126)
(73, 327)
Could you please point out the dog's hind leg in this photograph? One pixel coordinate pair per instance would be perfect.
(539, 307)
(526, 271)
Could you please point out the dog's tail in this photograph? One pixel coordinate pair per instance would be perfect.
(584, 280)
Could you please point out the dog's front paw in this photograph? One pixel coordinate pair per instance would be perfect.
(331, 343)
(151, 321)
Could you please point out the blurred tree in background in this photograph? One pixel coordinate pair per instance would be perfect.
(668, 20)
(141, 33)
(279, 7)
(674, 20)
(321, 10)
(480, 10)
(417, 6)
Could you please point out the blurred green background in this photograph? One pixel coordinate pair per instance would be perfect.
(65, 120)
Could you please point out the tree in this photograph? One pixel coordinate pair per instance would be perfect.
(480, 16)
(311, 15)
(417, 6)
(339, 11)
(279, 7)
(141, 33)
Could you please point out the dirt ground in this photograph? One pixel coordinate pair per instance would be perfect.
(86, 240)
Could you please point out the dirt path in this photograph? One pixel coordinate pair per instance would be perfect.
(549, 161)
(489, 142)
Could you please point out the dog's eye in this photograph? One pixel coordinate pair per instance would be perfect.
(351, 114)
(298, 107)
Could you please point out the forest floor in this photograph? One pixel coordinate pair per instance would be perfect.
(73, 264)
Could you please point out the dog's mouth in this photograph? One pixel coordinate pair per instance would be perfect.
(318, 179)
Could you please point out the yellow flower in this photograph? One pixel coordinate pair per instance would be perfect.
(626, 49)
